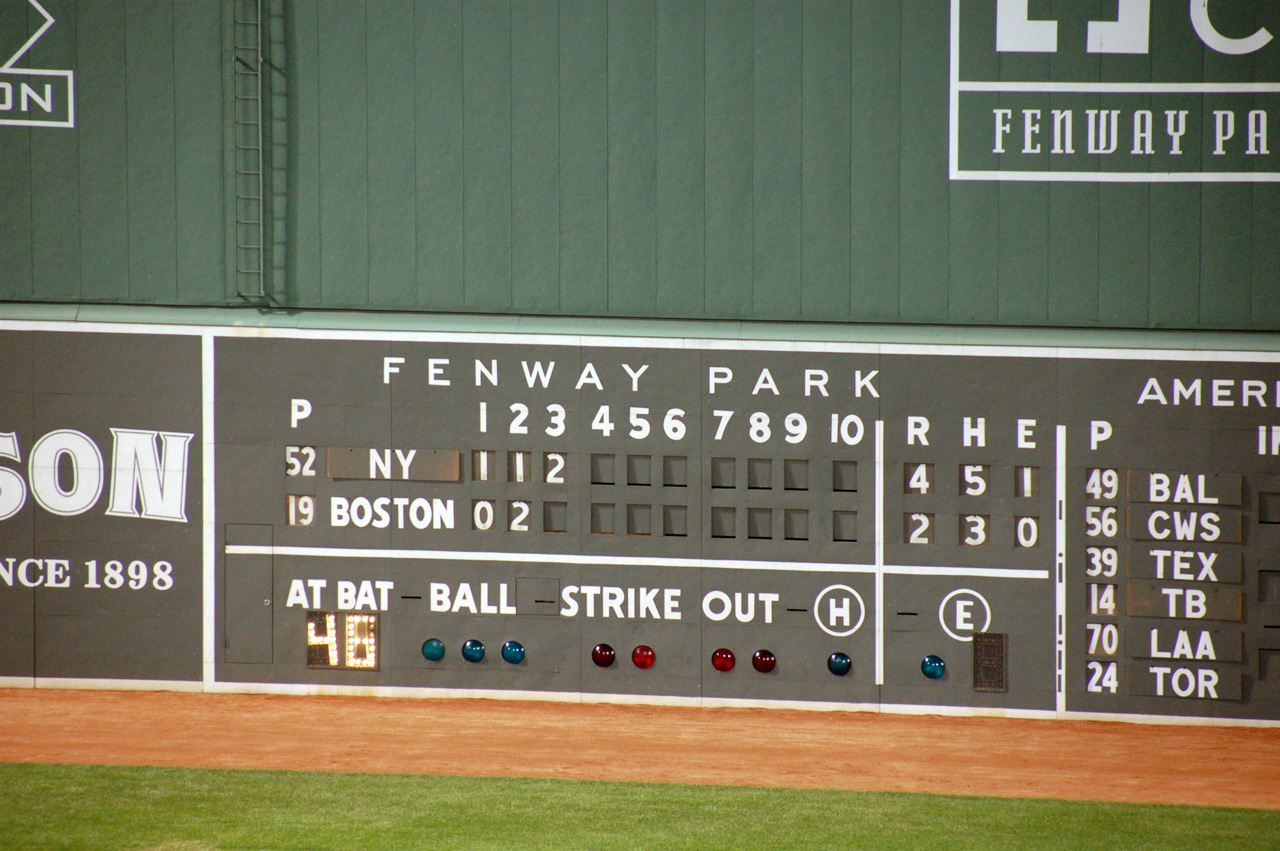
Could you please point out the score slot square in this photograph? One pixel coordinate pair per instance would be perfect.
(602, 518)
(638, 470)
(639, 519)
(844, 476)
(844, 526)
(675, 471)
(795, 474)
(722, 473)
(759, 474)
(723, 521)
(602, 469)
(795, 524)
(675, 521)
(760, 523)
(555, 517)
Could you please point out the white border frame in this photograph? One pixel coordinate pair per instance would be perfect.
(209, 682)
(958, 85)
(71, 98)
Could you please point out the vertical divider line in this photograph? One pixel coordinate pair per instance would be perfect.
(953, 152)
(1060, 569)
(879, 545)
(209, 483)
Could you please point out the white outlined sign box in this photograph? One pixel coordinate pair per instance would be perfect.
(1133, 91)
(36, 98)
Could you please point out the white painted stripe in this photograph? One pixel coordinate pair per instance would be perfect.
(1162, 350)
(191, 686)
(514, 338)
(629, 561)
(997, 572)
(1060, 569)
(879, 550)
(1118, 88)
(1172, 720)
(313, 689)
(543, 558)
(65, 327)
(17, 682)
(954, 93)
(209, 544)
(1123, 176)
(1167, 355)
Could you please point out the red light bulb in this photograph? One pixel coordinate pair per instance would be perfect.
(764, 661)
(602, 655)
(722, 660)
(643, 657)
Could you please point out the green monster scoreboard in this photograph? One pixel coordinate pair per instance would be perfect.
(839, 524)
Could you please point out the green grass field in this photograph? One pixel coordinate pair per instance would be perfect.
(96, 807)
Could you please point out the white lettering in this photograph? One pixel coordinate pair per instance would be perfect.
(765, 382)
(1103, 133)
(1017, 33)
(1143, 135)
(917, 428)
(1003, 128)
(1151, 392)
(435, 372)
(1063, 135)
(1176, 126)
(975, 431)
(1219, 42)
(390, 366)
(489, 373)
(588, 376)
(861, 381)
(405, 460)
(1025, 435)
(28, 94)
(1099, 430)
(716, 605)
(1224, 127)
(1255, 390)
(539, 373)
(316, 586)
(1257, 133)
(143, 474)
(1030, 129)
(86, 472)
(1129, 33)
(718, 375)
(299, 409)
(635, 376)
(379, 462)
(297, 594)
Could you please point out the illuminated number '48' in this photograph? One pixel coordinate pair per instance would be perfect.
(356, 646)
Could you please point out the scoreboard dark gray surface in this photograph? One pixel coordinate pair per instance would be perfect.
(967, 529)
(101, 506)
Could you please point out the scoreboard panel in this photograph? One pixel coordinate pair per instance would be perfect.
(100, 506)
(1044, 531)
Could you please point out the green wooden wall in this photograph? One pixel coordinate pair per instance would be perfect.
(128, 205)
(722, 159)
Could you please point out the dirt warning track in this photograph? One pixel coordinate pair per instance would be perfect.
(1221, 766)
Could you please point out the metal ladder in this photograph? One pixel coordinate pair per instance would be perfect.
(247, 138)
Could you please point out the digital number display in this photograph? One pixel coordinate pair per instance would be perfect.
(354, 644)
